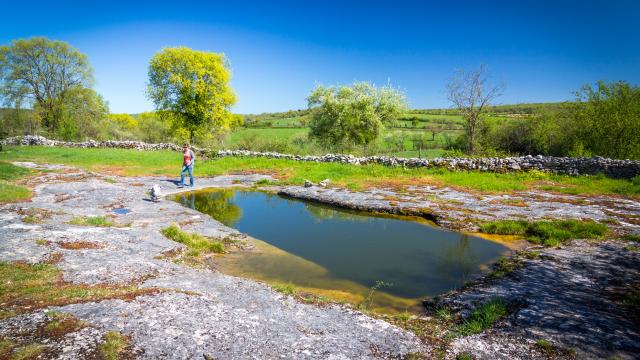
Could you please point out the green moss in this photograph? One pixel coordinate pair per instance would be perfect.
(546, 232)
(483, 317)
(114, 344)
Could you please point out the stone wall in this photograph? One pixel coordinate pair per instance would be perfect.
(562, 165)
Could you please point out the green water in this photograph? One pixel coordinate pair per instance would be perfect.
(331, 249)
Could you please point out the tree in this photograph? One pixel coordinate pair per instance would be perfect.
(44, 72)
(470, 93)
(82, 114)
(192, 89)
(353, 114)
(607, 119)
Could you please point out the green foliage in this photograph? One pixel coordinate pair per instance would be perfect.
(483, 317)
(607, 119)
(83, 115)
(353, 114)
(114, 344)
(49, 72)
(192, 89)
(604, 120)
(546, 232)
(196, 243)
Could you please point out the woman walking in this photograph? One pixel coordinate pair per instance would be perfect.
(187, 165)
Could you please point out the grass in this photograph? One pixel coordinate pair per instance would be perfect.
(464, 356)
(546, 232)
(60, 324)
(99, 221)
(285, 289)
(196, 243)
(26, 287)
(632, 237)
(114, 344)
(6, 348)
(134, 162)
(27, 352)
(9, 191)
(505, 266)
(483, 317)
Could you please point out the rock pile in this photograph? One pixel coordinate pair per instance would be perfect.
(561, 165)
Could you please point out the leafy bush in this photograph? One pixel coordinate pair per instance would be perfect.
(353, 114)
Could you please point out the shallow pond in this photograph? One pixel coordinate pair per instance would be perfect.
(343, 254)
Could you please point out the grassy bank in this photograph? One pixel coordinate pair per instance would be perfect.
(133, 162)
(10, 175)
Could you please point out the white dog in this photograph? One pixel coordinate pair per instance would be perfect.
(155, 193)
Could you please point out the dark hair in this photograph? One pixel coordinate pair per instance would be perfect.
(186, 145)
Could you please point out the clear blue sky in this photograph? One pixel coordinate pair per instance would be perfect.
(279, 50)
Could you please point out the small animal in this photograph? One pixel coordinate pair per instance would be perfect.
(155, 193)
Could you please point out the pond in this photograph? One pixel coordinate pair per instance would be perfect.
(342, 254)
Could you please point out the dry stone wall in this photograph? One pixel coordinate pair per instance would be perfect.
(562, 165)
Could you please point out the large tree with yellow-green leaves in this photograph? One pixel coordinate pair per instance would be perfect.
(192, 88)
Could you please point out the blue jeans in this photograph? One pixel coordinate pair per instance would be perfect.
(190, 170)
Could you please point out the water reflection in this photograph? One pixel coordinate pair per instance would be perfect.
(419, 260)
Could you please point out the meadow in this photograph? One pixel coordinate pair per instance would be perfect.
(166, 163)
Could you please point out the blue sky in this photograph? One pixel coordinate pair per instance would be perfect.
(279, 50)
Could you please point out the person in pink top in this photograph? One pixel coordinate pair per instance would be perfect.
(187, 165)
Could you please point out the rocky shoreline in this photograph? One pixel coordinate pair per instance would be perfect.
(561, 165)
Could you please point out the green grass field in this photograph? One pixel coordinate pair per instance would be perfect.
(133, 162)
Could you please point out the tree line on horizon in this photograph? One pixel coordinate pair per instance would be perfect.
(47, 88)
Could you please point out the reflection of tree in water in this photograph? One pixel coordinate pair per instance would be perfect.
(461, 258)
(217, 204)
(327, 213)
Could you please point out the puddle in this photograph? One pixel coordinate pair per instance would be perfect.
(121, 211)
(343, 254)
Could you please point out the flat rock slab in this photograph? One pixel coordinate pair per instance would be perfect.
(460, 210)
(566, 297)
(199, 312)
